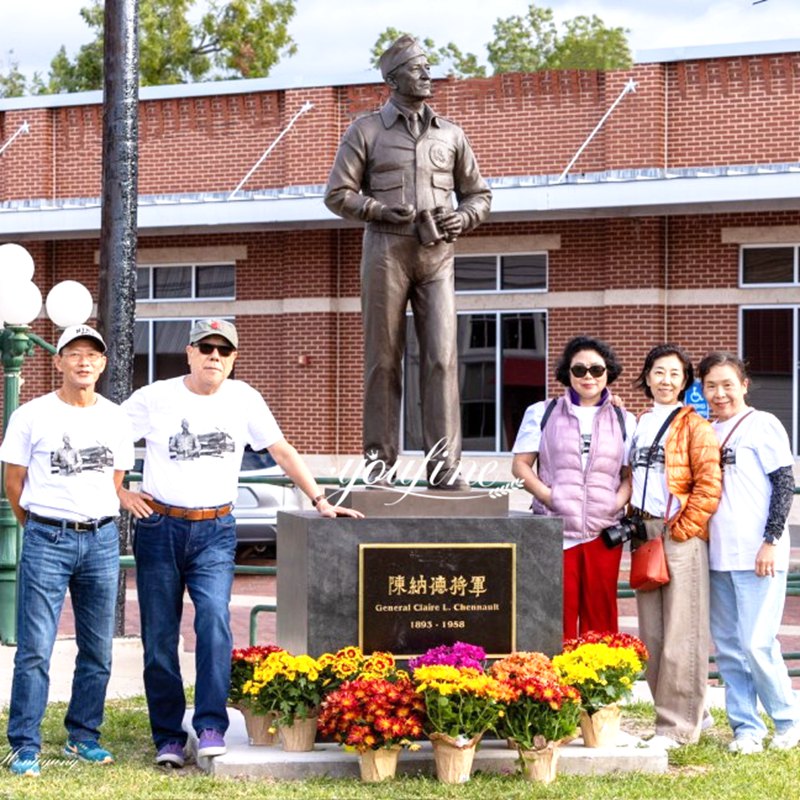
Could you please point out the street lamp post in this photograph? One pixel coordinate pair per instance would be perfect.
(68, 303)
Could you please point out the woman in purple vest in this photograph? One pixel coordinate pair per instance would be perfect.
(572, 456)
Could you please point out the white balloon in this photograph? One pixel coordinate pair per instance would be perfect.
(16, 264)
(20, 302)
(69, 303)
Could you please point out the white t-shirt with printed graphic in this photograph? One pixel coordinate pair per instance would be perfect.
(195, 441)
(757, 447)
(71, 453)
(655, 501)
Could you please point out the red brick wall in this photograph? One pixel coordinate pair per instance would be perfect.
(682, 114)
(734, 111)
(519, 124)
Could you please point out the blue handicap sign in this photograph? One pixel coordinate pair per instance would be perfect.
(694, 397)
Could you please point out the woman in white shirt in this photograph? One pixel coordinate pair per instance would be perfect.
(749, 558)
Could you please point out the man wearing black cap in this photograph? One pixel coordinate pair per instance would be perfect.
(186, 533)
(70, 541)
(397, 170)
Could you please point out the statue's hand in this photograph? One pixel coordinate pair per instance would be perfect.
(399, 214)
(451, 224)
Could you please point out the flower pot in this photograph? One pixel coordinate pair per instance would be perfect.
(601, 729)
(541, 766)
(378, 765)
(299, 736)
(261, 728)
(453, 757)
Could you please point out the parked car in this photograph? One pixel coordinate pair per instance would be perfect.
(257, 504)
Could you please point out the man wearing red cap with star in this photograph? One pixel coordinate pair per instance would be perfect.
(398, 171)
(195, 428)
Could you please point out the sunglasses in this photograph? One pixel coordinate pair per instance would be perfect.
(580, 370)
(206, 348)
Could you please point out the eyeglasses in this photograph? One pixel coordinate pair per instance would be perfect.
(580, 370)
(206, 348)
(76, 357)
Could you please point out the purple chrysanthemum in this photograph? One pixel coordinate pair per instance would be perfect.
(459, 654)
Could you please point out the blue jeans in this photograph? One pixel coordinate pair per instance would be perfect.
(54, 559)
(746, 613)
(172, 555)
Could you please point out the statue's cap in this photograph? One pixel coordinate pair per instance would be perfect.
(404, 49)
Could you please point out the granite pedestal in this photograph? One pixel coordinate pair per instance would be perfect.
(318, 573)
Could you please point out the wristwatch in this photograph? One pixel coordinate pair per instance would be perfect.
(770, 539)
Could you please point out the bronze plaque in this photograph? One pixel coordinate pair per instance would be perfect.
(412, 597)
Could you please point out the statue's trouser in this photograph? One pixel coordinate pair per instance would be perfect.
(395, 270)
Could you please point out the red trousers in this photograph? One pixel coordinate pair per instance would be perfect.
(591, 571)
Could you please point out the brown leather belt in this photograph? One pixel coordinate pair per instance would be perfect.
(192, 514)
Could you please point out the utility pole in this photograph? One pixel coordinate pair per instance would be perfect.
(116, 311)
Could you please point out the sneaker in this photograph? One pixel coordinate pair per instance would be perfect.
(171, 755)
(663, 742)
(210, 743)
(708, 721)
(25, 762)
(746, 745)
(88, 751)
(786, 740)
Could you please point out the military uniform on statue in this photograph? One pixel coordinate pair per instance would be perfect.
(397, 170)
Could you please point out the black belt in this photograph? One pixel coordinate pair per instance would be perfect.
(70, 524)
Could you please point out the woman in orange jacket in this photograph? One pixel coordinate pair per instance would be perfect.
(677, 485)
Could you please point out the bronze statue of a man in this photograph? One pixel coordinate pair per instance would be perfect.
(398, 170)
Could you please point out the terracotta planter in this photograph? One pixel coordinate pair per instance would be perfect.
(300, 735)
(258, 727)
(601, 729)
(541, 766)
(378, 765)
(453, 757)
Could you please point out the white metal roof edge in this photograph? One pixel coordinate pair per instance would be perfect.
(668, 55)
(656, 196)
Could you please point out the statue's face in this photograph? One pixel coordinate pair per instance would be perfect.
(412, 80)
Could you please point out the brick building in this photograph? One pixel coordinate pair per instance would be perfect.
(679, 221)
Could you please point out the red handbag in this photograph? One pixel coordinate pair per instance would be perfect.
(649, 568)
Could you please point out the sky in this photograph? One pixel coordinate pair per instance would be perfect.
(334, 39)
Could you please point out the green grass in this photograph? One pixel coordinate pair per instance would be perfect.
(704, 770)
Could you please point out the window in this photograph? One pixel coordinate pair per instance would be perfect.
(770, 340)
(159, 349)
(769, 266)
(501, 357)
(187, 282)
(501, 273)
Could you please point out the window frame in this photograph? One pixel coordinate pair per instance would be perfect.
(498, 274)
(498, 388)
(778, 285)
(192, 297)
